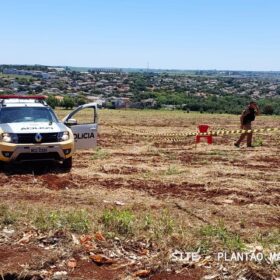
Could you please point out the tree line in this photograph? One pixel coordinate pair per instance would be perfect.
(231, 104)
(210, 104)
(66, 103)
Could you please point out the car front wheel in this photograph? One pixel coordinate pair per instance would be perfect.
(67, 163)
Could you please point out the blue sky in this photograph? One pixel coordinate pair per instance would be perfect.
(166, 34)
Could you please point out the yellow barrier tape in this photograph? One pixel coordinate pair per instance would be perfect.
(177, 136)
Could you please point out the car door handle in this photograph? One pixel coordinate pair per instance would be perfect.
(93, 128)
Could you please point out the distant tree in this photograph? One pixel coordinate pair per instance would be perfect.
(52, 101)
(67, 102)
(80, 101)
(268, 110)
(186, 108)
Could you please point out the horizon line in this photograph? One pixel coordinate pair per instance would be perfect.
(140, 68)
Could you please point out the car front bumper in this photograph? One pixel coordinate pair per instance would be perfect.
(35, 152)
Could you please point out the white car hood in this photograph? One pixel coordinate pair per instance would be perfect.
(30, 127)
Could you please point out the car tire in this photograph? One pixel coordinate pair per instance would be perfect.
(67, 163)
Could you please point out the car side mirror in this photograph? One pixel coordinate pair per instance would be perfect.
(71, 122)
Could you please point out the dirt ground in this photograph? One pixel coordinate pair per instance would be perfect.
(217, 198)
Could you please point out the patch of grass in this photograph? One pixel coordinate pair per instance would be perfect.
(171, 156)
(160, 226)
(204, 161)
(153, 226)
(100, 154)
(166, 223)
(147, 175)
(148, 221)
(75, 221)
(44, 220)
(217, 153)
(7, 216)
(258, 142)
(118, 221)
(269, 239)
(172, 170)
(218, 236)
(78, 221)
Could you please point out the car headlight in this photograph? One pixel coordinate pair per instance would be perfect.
(9, 137)
(63, 136)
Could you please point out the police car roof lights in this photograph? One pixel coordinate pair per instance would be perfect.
(38, 97)
(4, 99)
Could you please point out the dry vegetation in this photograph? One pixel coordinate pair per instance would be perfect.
(135, 201)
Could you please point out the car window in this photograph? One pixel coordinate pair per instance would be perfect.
(26, 114)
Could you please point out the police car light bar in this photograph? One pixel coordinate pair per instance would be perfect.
(37, 97)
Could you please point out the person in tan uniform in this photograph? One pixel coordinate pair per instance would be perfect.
(246, 119)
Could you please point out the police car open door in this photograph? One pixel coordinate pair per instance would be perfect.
(83, 123)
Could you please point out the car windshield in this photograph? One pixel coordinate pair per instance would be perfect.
(27, 114)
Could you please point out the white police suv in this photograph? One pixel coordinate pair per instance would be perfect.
(31, 131)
